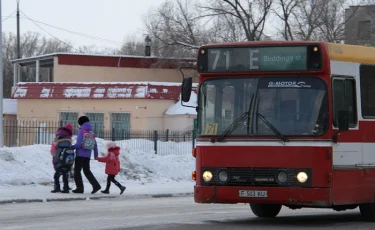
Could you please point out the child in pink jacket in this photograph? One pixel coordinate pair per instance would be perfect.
(112, 167)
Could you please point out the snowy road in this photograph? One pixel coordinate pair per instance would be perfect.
(165, 213)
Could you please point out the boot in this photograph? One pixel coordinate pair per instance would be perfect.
(66, 190)
(95, 189)
(56, 189)
(77, 190)
(105, 191)
(122, 189)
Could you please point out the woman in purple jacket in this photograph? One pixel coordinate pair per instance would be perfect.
(83, 157)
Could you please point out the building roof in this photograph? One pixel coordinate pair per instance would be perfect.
(64, 58)
(10, 106)
(98, 90)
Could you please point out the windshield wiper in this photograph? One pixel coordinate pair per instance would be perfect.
(235, 123)
(273, 128)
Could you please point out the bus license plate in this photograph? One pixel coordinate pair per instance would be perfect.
(252, 193)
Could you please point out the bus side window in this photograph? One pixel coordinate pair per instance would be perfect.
(344, 98)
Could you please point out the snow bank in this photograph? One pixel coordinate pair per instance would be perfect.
(33, 165)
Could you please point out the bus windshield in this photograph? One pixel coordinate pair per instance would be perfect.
(295, 106)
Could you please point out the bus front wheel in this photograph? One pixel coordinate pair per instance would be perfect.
(266, 210)
(368, 211)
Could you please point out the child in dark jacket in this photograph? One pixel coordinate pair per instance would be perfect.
(62, 141)
(112, 167)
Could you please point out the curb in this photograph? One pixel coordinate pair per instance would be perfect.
(166, 195)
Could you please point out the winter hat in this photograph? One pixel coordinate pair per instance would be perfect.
(110, 144)
(69, 126)
(82, 120)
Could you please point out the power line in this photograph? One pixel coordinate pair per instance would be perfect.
(74, 32)
(50, 33)
(78, 33)
(7, 17)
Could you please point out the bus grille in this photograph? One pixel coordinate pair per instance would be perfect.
(254, 177)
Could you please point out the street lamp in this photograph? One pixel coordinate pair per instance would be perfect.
(147, 46)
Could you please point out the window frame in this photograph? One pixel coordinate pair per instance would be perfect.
(344, 78)
(360, 86)
(98, 133)
(125, 133)
(74, 122)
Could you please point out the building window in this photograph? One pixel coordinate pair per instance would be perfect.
(69, 117)
(97, 122)
(367, 76)
(120, 125)
(344, 98)
(364, 30)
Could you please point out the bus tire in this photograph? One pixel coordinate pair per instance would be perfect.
(368, 211)
(265, 210)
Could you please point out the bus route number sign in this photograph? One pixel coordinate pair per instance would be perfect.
(244, 59)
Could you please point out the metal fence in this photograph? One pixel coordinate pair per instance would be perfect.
(163, 142)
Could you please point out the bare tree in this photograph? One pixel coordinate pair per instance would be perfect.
(173, 22)
(250, 14)
(133, 46)
(32, 44)
(307, 19)
(93, 49)
(283, 11)
(226, 28)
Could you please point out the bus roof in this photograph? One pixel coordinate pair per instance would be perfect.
(261, 43)
(336, 52)
(351, 53)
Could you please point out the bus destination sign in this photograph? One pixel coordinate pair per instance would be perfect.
(256, 59)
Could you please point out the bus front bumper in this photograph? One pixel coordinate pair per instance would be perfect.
(315, 197)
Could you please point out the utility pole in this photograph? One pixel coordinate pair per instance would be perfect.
(1, 84)
(18, 30)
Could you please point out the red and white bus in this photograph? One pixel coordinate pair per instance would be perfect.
(285, 123)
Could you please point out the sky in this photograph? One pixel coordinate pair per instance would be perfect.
(113, 20)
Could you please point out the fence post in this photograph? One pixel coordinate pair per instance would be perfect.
(156, 141)
(167, 134)
(113, 134)
(38, 137)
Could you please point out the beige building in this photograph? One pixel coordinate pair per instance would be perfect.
(117, 93)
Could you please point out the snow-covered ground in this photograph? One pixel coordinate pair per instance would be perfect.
(27, 172)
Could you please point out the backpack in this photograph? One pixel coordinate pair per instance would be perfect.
(88, 141)
(66, 157)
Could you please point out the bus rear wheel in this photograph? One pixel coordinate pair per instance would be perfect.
(266, 210)
(368, 211)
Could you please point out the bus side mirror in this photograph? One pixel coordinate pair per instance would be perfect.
(343, 120)
(187, 85)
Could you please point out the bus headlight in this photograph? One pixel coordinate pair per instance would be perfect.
(207, 176)
(223, 176)
(302, 177)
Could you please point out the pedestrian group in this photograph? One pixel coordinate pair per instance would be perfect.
(65, 155)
